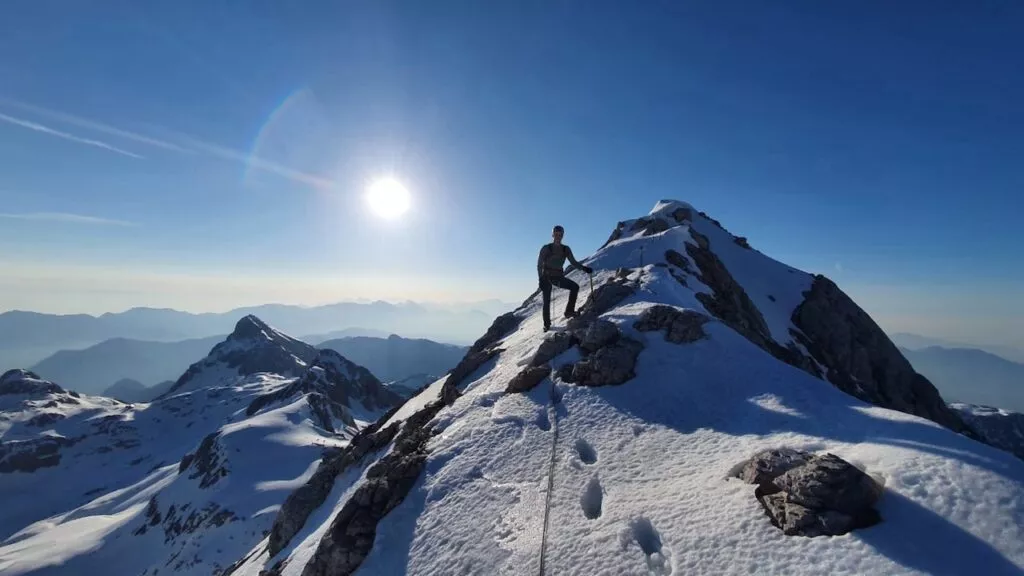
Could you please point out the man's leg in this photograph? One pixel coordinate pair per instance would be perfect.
(545, 289)
(573, 288)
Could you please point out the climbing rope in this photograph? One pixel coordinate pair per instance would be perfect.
(551, 477)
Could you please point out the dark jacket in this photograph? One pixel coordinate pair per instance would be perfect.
(552, 258)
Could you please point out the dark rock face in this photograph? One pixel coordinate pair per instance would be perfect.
(604, 298)
(554, 344)
(998, 428)
(597, 335)
(812, 495)
(19, 381)
(860, 358)
(768, 465)
(208, 464)
(680, 326)
(678, 260)
(608, 366)
(350, 536)
(729, 302)
(303, 501)
(331, 383)
(482, 350)
(528, 379)
(178, 521)
(45, 419)
(254, 347)
(650, 225)
(31, 455)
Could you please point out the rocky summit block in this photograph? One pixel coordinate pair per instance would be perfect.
(680, 326)
(812, 495)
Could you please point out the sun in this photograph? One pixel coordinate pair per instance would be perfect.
(388, 198)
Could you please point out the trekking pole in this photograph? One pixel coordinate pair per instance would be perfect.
(591, 286)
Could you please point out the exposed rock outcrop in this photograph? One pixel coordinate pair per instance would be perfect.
(608, 366)
(306, 498)
(999, 428)
(208, 464)
(19, 381)
(680, 326)
(554, 344)
(332, 383)
(353, 530)
(812, 495)
(528, 379)
(860, 358)
(253, 347)
(31, 455)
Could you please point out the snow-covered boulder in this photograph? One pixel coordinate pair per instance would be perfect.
(812, 495)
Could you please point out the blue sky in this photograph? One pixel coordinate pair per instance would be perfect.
(206, 155)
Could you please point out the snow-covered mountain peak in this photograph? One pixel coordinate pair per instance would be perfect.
(20, 381)
(253, 347)
(686, 421)
(183, 484)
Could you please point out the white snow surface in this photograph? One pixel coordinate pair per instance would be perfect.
(642, 477)
(642, 481)
(88, 513)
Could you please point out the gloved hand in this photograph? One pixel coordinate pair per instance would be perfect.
(588, 269)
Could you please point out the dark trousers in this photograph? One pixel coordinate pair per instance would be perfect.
(546, 283)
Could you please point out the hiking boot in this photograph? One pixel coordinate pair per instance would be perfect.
(571, 314)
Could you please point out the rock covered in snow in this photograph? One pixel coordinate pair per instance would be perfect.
(681, 326)
(19, 381)
(252, 347)
(1000, 428)
(528, 378)
(812, 495)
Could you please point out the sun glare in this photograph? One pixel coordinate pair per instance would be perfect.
(388, 198)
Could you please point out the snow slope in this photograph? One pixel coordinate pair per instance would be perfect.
(184, 484)
(637, 478)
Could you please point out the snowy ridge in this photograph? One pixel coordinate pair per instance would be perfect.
(252, 347)
(693, 354)
(182, 485)
(1000, 428)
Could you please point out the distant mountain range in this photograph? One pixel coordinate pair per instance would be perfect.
(971, 376)
(918, 342)
(127, 369)
(396, 358)
(28, 337)
(97, 367)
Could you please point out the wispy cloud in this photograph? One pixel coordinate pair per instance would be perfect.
(839, 266)
(67, 218)
(93, 125)
(47, 130)
(185, 144)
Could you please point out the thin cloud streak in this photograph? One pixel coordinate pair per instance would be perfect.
(258, 163)
(189, 145)
(71, 137)
(68, 218)
(93, 125)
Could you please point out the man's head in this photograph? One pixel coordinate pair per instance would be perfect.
(557, 232)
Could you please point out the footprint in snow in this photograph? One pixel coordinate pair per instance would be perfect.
(659, 557)
(592, 498)
(586, 452)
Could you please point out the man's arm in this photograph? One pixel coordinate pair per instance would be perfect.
(574, 263)
(544, 251)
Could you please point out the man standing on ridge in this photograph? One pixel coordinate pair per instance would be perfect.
(550, 273)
